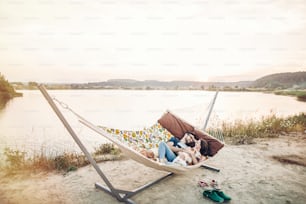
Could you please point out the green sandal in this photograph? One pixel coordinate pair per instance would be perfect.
(223, 195)
(213, 196)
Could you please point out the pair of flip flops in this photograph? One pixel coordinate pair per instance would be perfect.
(216, 195)
(212, 184)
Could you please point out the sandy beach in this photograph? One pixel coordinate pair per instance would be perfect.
(249, 174)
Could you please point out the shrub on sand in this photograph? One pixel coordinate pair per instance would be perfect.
(107, 148)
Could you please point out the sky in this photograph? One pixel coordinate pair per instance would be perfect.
(198, 40)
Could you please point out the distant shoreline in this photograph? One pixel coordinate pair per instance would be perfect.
(299, 94)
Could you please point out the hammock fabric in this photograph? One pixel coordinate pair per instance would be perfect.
(148, 138)
(169, 125)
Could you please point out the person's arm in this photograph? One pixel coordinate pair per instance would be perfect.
(183, 140)
(194, 159)
(173, 148)
(193, 138)
(192, 155)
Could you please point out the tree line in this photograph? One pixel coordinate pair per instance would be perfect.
(7, 91)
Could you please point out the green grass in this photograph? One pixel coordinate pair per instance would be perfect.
(300, 94)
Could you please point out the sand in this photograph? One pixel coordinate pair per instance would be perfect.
(249, 174)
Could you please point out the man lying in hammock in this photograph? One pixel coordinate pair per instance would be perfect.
(187, 151)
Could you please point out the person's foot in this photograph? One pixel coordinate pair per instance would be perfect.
(163, 160)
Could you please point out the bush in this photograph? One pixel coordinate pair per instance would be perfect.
(301, 97)
(69, 161)
(300, 94)
(107, 148)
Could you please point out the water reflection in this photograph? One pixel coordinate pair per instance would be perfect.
(3, 103)
(29, 123)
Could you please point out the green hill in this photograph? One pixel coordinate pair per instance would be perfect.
(282, 81)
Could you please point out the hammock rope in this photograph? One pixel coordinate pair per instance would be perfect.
(67, 107)
(147, 138)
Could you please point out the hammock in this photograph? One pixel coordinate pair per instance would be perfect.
(130, 141)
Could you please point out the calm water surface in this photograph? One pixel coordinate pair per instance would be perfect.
(28, 122)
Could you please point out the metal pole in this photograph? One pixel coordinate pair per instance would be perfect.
(205, 125)
(210, 110)
(77, 140)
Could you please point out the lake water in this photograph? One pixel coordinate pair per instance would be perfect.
(29, 123)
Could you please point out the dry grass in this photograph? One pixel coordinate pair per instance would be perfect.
(244, 132)
(239, 132)
(17, 160)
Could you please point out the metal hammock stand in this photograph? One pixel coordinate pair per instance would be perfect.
(119, 194)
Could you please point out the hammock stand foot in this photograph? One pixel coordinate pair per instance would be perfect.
(210, 167)
(123, 196)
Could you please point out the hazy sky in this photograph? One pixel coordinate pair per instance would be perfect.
(96, 40)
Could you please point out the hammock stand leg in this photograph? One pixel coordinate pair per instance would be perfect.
(128, 194)
(204, 127)
(210, 110)
(120, 195)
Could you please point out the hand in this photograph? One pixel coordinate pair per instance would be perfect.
(188, 150)
(203, 158)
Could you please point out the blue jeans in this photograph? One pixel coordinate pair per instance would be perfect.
(164, 151)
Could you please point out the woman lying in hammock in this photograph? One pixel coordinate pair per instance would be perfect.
(187, 151)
